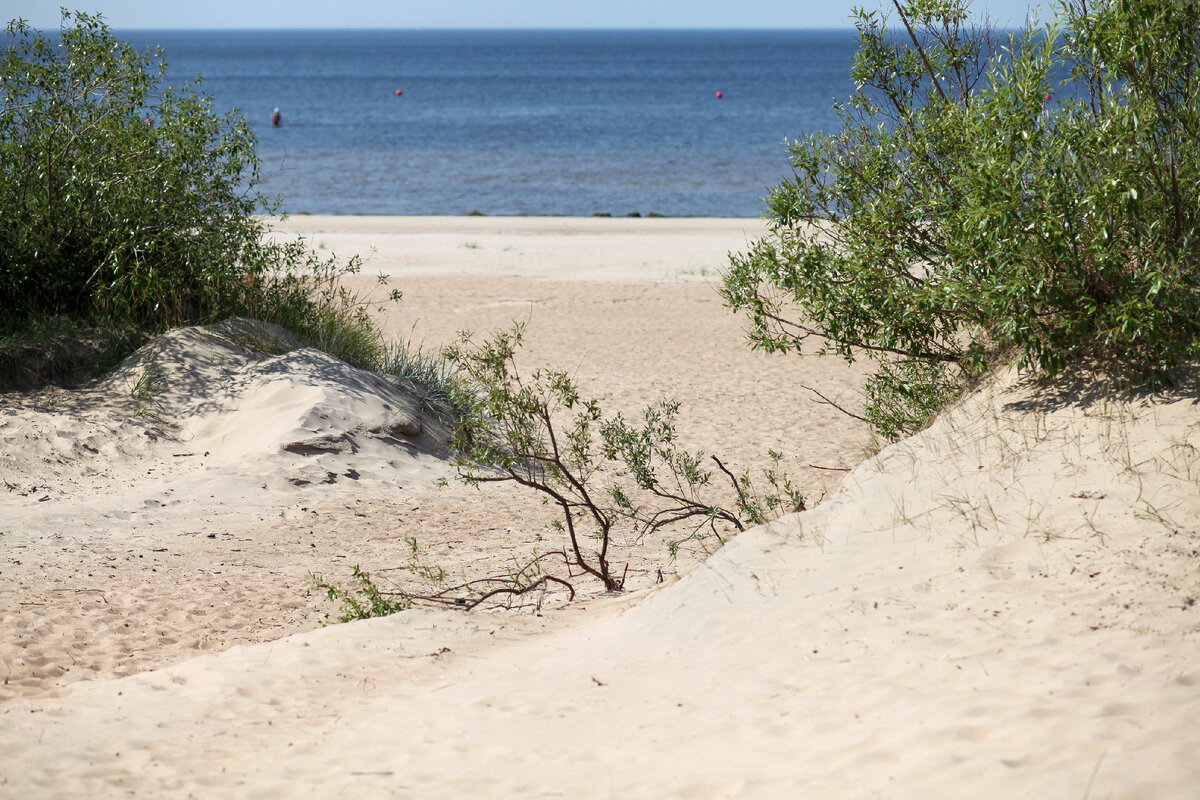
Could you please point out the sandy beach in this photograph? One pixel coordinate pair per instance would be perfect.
(1006, 605)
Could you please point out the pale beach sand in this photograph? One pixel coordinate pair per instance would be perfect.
(1006, 605)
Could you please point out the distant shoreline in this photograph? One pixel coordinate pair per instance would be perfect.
(563, 248)
(473, 214)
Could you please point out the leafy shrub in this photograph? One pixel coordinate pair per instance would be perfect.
(605, 474)
(608, 476)
(131, 206)
(1033, 196)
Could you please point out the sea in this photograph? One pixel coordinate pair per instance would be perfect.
(519, 122)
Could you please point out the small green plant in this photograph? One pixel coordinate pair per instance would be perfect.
(434, 377)
(364, 599)
(418, 567)
(147, 392)
(150, 385)
(757, 506)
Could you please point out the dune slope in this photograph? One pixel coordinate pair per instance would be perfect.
(1002, 606)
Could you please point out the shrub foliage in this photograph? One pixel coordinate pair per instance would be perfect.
(611, 478)
(1034, 195)
(130, 205)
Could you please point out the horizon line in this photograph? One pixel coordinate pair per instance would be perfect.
(489, 28)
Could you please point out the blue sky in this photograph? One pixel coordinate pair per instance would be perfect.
(474, 13)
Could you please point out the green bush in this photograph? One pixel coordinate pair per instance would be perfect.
(363, 600)
(131, 206)
(609, 476)
(1034, 196)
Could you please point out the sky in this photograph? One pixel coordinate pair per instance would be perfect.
(201, 14)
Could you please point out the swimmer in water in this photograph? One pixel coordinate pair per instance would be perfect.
(275, 118)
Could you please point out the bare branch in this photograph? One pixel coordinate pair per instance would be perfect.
(542, 581)
(829, 402)
(736, 486)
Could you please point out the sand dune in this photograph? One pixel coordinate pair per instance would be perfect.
(1002, 606)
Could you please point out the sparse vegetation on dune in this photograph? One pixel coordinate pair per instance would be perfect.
(611, 480)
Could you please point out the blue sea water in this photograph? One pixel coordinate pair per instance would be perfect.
(520, 122)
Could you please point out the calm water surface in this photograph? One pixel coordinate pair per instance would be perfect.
(520, 122)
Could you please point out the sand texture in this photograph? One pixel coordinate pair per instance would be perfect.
(1003, 606)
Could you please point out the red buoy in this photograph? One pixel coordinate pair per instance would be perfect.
(720, 95)
(399, 92)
